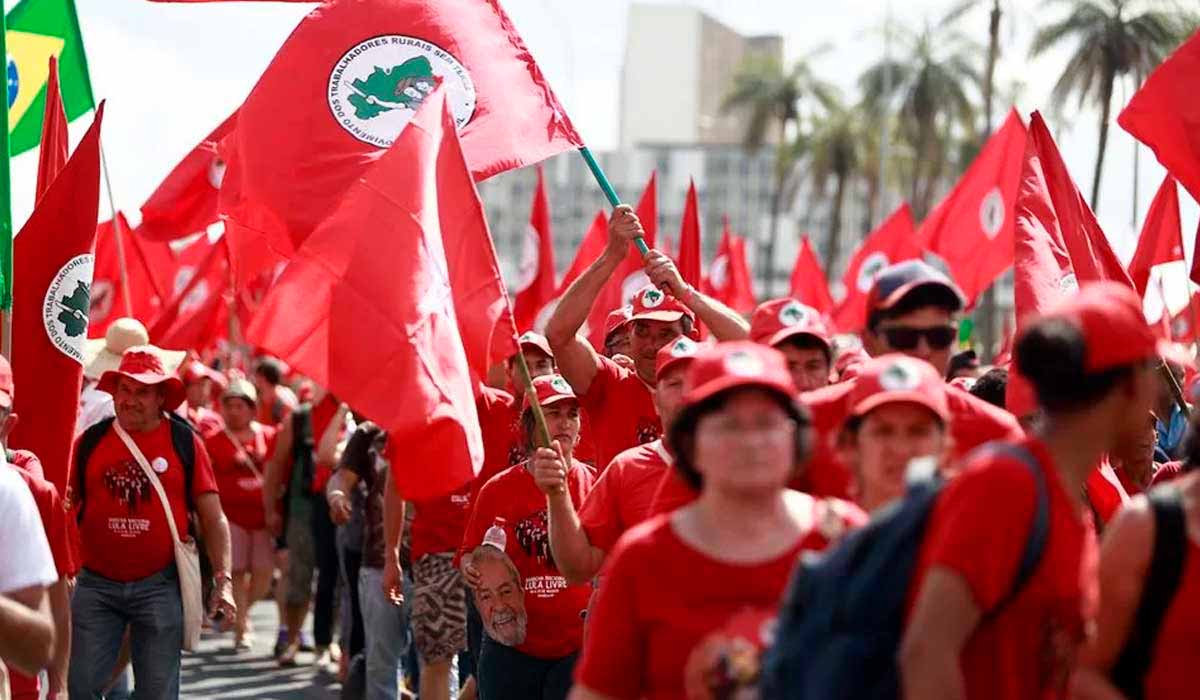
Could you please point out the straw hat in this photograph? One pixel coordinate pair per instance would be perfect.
(103, 354)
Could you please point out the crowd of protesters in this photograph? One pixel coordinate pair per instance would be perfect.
(641, 514)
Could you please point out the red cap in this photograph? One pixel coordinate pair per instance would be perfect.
(734, 365)
(550, 388)
(197, 370)
(616, 320)
(1115, 332)
(537, 341)
(7, 390)
(894, 283)
(779, 319)
(679, 351)
(142, 365)
(897, 378)
(652, 304)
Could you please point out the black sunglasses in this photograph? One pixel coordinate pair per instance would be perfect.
(906, 338)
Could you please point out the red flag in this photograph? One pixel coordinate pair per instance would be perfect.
(1161, 240)
(399, 294)
(343, 86)
(689, 239)
(972, 228)
(1183, 324)
(892, 242)
(728, 278)
(186, 201)
(589, 249)
(1164, 114)
(52, 153)
(50, 312)
(196, 316)
(535, 287)
(809, 284)
(631, 275)
(147, 263)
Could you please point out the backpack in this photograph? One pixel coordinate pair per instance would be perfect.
(843, 615)
(182, 439)
(1162, 583)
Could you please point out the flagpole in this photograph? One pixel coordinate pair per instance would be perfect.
(118, 231)
(609, 193)
(6, 232)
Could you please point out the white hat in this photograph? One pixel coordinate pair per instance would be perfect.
(103, 354)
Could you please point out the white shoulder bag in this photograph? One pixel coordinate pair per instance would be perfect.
(187, 558)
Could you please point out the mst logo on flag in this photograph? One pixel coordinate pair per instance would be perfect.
(65, 308)
(377, 86)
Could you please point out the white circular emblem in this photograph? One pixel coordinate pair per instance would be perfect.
(1068, 284)
(900, 376)
(743, 364)
(159, 465)
(195, 298)
(102, 300)
(718, 272)
(792, 313)
(684, 347)
(375, 88)
(991, 213)
(560, 385)
(871, 267)
(632, 285)
(66, 305)
(653, 298)
(527, 268)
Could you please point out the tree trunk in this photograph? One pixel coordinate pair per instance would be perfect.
(767, 276)
(989, 75)
(1106, 90)
(833, 247)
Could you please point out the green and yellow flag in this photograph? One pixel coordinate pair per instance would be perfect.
(38, 29)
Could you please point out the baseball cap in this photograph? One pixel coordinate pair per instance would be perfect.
(1115, 332)
(679, 351)
(896, 378)
(537, 341)
(550, 389)
(736, 365)
(241, 388)
(779, 319)
(197, 371)
(652, 304)
(896, 281)
(616, 320)
(7, 390)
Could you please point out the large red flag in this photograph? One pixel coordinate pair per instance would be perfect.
(195, 317)
(535, 287)
(589, 249)
(728, 279)
(1164, 114)
(343, 86)
(809, 284)
(398, 294)
(52, 153)
(631, 275)
(892, 242)
(972, 228)
(148, 266)
(186, 201)
(1161, 240)
(689, 239)
(50, 307)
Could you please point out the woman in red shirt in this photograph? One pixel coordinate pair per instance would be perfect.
(690, 595)
(974, 631)
(238, 453)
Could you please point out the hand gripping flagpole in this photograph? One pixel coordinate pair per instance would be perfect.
(609, 192)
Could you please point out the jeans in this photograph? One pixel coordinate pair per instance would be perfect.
(100, 610)
(324, 604)
(503, 673)
(386, 628)
(351, 622)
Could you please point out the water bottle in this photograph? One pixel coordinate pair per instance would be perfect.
(496, 536)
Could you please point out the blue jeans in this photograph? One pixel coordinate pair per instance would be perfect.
(386, 635)
(100, 610)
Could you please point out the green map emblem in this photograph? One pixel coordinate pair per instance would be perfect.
(375, 87)
(66, 305)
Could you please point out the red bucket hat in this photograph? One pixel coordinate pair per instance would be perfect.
(735, 365)
(7, 388)
(652, 304)
(682, 350)
(1115, 332)
(142, 365)
(779, 319)
(897, 378)
(550, 389)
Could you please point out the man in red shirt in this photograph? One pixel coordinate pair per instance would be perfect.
(129, 577)
(912, 309)
(275, 401)
(798, 332)
(618, 401)
(198, 380)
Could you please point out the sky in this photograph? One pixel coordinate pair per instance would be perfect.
(171, 72)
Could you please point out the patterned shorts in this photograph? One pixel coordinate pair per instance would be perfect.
(439, 608)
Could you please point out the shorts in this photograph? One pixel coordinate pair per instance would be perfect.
(302, 561)
(439, 608)
(251, 550)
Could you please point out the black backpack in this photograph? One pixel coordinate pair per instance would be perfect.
(182, 439)
(1161, 585)
(843, 615)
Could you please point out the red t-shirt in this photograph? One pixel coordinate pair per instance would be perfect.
(973, 422)
(1105, 492)
(978, 529)
(124, 532)
(555, 609)
(240, 486)
(206, 421)
(624, 494)
(438, 524)
(55, 518)
(1172, 672)
(661, 598)
(621, 409)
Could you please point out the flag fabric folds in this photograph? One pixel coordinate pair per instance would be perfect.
(892, 242)
(186, 200)
(809, 284)
(1161, 240)
(688, 260)
(149, 268)
(535, 287)
(728, 279)
(55, 144)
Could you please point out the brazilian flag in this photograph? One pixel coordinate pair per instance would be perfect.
(37, 30)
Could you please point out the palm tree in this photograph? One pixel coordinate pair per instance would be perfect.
(771, 94)
(1111, 40)
(935, 84)
(837, 150)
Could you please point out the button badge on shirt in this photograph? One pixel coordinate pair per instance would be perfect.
(159, 465)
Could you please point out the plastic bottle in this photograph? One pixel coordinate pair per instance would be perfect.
(496, 536)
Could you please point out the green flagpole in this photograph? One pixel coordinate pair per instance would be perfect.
(6, 234)
(609, 192)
